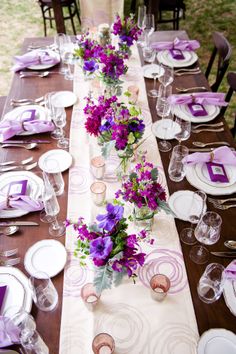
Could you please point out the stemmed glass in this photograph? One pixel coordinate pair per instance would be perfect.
(142, 10)
(154, 92)
(183, 131)
(167, 75)
(148, 26)
(65, 47)
(60, 122)
(196, 209)
(59, 40)
(208, 233)
(56, 134)
(163, 108)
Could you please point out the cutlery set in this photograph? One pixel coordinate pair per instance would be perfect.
(27, 101)
(183, 71)
(13, 165)
(28, 146)
(223, 204)
(5, 261)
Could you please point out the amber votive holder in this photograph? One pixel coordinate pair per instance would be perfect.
(160, 285)
(103, 343)
(89, 296)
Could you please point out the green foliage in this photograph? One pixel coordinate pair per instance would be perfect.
(102, 278)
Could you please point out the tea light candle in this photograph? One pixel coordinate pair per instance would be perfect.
(89, 296)
(104, 350)
(98, 167)
(160, 285)
(98, 191)
(134, 91)
(103, 343)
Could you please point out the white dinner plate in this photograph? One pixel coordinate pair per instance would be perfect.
(15, 114)
(199, 182)
(203, 175)
(34, 188)
(63, 158)
(148, 70)
(48, 256)
(217, 341)
(64, 99)
(165, 129)
(52, 54)
(18, 293)
(182, 111)
(230, 294)
(181, 202)
(164, 57)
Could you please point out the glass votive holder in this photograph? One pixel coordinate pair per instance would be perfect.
(89, 296)
(160, 285)
(103, 343)
(134, 92)
(98, 191)
(98, 167)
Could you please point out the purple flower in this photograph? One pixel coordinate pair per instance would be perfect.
(120, 135)
(111, 218)
(101, 247)
(90, 66)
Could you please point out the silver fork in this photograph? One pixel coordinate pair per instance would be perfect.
(22, 162)
(221, 201)
(9, 262)
(224, 207)
(188, 73)
(9, 253)
(18, 167)
(182, 89)
(207, 130)
(208, 125)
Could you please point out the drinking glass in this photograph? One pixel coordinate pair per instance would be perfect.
(196, 209)
(103, 343)
(59, 41)
(56, 134)
(148, 27)
(163, 108)
(176, 169)
(154, 92)
(149, 54)
(89, 296)
(167, 75)
(44, 293)
(65, 47)
(207, 232)
(160, 285)
(211, 283)
(142, 10)
(60, 122)
(183, 130)
(54, 175)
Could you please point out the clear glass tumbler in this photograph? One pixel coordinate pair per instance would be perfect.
(177, 169)
(211, 283)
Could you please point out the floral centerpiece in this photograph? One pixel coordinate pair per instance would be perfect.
(116, 126)
(128, 32)
(113, 252)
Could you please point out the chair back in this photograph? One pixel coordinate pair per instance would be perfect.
(231, 78)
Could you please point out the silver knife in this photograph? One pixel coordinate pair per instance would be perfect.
(26, 141)
(204, 149)
(225, 254)
(18, 223)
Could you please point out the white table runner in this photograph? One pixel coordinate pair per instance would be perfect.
(138, 324)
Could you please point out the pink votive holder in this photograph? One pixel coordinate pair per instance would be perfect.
(98, 167)
(89, 296)
(98, 192)
(134, 92)
(103, 343)
(160, 285)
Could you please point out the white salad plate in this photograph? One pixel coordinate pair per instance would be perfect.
(230, 294)
(63, 99)
(63, 158)
(18, 294)
(148, 70)
(182, 202)
(217, 341)
(15, 115)
(197, 177)
(33, 189)
(48, 256)
(165, 57)
(165, 129)
(52, 54)
(182, 111)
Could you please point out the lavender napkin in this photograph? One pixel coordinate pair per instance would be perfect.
(203, 98)
(180, 44)
(34, 57)
(177, 54)
(22, 202)
(2, 294)
(9, 332)
(222, 155)
(230, 271)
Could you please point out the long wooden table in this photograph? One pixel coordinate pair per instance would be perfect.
(48, 324)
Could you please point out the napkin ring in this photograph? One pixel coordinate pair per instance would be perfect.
(193, 98)
(211, 156)
(8, 201)
(22, 126)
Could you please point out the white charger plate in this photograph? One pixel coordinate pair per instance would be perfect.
(180, 203)
(52, 54)
(64, 99)
(48, 256)
(165, 129)
(230, 295)
(34, 188)
(164, 57)
(148, 70)
(63, 158)
(182, 111)
(217, 341)
(18, 293)
(15, 114)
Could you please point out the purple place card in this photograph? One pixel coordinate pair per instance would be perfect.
(217, 172)
(197, 109)
(177, 54)
(28, 115)
(17, 188)
(2, 294)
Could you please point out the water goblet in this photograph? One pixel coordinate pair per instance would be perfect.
(176, 169)
(195, 209)
(142, 10)
(60, 121)
(149, 54)
(51, 168)
(167, 75)
(56, 134)
(167, 124)
(207, 232)
(211, 283)
(148, 27)
(59, 41)
(154, 92)
(183, 131)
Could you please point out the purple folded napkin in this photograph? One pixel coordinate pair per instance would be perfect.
(230, 271)
(2, 294)
(197, 109)
(35, 57)
(177, 54)
(217, 172)
(11, 128)
(23, 202)
(180, 44)
(203, 98)
(9, 332)
(223, 155)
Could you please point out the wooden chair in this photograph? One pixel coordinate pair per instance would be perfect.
(231, 78)
(48, 15)
(223, 50)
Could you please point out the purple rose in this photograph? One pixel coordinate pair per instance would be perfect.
(111, 218)
(101, 247)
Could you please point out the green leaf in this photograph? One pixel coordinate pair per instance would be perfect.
(102, 279)
(133, 175)
(127, 93)
(117, 277)
(154, 174)
(164, 206)
(106, 148)
(131, 138)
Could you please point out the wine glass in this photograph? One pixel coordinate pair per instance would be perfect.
(56, 134)
(163, 108)
(154, 92)
(211, 283)
(183, 131)
(166, 75)
(195, 211)
(59, 40)
(148, 26)
(142, 10)
(60, 122)
(208, 233)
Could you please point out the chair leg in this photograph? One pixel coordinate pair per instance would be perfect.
(72, 21)
(50, 21)
(77, 12)
(44, 23)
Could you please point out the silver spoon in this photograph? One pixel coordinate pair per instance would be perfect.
(200, 144)
(25, 146)
(230, 244)
(9, 230)
(43, 74)
(182, 89)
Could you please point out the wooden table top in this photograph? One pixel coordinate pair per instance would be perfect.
(216, 315)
